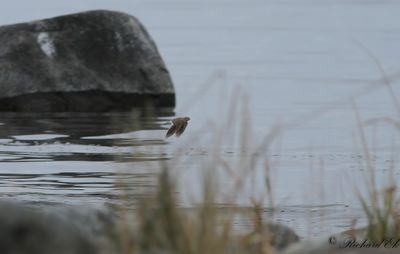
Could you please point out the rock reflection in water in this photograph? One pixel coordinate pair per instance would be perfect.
(79, 157)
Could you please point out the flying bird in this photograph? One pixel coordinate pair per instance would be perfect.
(178, 126)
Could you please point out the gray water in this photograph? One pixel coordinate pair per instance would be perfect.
(300, 62)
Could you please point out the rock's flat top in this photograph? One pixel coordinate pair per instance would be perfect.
(100, 51)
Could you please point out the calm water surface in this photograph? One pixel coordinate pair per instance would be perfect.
(300, 62)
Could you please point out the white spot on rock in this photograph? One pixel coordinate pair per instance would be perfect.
(120, 43)
(46, 44)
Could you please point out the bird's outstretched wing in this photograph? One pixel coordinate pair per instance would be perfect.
(181, 129)
(171, 131)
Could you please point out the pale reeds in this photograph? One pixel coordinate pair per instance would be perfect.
(160, 225)
(381, 206)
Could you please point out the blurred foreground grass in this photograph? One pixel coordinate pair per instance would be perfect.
(159, 225)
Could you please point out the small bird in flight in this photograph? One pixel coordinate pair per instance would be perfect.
(178, 126)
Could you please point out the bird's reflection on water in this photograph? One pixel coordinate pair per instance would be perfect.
(79, 157)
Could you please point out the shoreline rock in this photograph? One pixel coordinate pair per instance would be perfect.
(55, 229)
(89, 61)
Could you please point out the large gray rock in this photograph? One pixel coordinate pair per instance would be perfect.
(90, 61)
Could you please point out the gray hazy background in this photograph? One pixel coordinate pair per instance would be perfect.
(298, 60)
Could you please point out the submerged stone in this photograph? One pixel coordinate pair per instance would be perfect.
(90, 61)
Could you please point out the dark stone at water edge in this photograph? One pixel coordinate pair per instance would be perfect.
(90, 61)
(57, 228)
